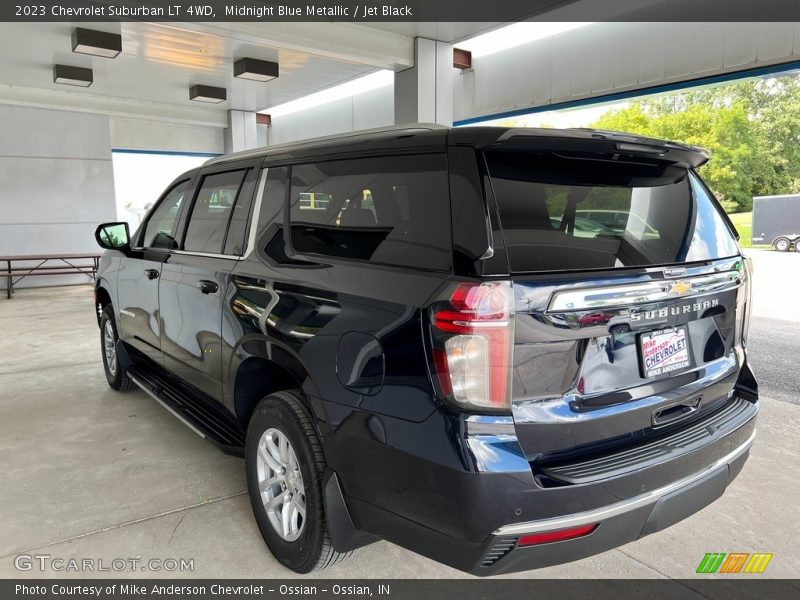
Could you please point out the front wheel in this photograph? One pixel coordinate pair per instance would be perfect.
(782, 245)
(797, 246)
(285, 467)
(116, 375)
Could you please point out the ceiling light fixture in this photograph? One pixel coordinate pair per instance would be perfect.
(96, 43)
(66, 75)
(255, 70)
(207, 93)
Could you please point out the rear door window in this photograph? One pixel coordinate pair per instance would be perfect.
(384, 210)
(566, 214)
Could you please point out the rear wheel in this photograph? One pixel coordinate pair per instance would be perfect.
(782, 245)
(116, 375)
(797, 246)
(285, 467)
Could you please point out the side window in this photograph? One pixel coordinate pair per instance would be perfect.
(271, 215)
(158, 231)
(388, 210)
(273, 197)
(212, 211)
(236, 239)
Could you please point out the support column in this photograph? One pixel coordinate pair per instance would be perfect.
(241, 133)
(424, 93)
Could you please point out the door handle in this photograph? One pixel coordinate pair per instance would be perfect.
(151, 273)
(207, 287)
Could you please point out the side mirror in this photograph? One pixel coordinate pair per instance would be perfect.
(113, 236)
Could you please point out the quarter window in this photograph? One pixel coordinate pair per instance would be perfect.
(387, 210)
(214, 209)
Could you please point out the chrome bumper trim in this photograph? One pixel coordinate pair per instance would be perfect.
(612, 510)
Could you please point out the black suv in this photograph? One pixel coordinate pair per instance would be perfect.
(499, 348)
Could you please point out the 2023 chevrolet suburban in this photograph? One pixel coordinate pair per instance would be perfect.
(499, 348)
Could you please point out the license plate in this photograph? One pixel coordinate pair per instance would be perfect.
(664, 351)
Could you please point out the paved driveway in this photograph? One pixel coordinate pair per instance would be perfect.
(89, 473)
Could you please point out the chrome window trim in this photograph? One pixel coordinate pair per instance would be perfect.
(613, 510)
(251, 236)
(620, 296)
(206, 254)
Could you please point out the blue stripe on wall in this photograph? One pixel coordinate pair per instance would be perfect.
(638, 93)
(165, 153)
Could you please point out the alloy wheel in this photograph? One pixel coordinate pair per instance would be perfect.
(280, 483)
(109, 346)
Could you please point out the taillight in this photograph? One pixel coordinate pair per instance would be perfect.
(747, 269)
(473, 342)
(560, 535)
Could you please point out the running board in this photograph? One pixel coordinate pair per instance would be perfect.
(196, 414)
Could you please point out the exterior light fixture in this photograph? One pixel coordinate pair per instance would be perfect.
(207, 93)
(255, 70)
(462, 59)
(96, 43)
(66, 75)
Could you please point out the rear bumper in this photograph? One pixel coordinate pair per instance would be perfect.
(618, 523)
(473, 521)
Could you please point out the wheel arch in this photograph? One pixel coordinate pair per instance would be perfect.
(258, 376)
(102, 299)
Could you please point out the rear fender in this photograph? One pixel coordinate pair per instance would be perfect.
(274, 355)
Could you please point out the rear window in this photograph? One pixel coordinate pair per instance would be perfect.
(559, 213)
(392, 210)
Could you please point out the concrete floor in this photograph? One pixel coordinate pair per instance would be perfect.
(91, 473)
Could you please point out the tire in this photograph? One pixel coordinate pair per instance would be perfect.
(303, 544)
(782, 245)
(797, 246)
(116, 376)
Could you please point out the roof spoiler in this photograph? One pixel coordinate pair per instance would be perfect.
(608, 145)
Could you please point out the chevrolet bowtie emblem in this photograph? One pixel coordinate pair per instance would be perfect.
(679, 288)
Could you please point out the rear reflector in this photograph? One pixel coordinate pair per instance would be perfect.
(559, 535)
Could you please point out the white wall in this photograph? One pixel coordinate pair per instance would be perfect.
(606, 58)
(57, 177)
(592, 61)
(140, 179)
(56, 183)
(140, 134)
(362, 111)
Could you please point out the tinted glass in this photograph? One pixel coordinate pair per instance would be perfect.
(212, 211)
(273, 197)
(158, 231)
(588, 215)
(236, 239)
(388, 210)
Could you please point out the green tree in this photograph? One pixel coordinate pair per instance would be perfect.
(751, 128)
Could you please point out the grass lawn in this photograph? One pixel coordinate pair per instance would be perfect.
(744, 225)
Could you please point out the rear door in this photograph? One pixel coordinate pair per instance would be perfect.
(195, 276)
(138, 320)
(629, 293)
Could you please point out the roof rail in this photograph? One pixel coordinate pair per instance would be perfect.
(410, 127)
